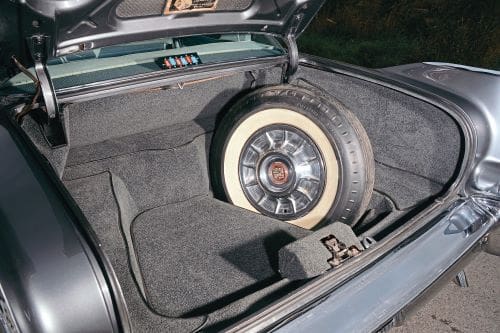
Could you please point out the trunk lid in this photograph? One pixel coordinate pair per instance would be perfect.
(41, 29)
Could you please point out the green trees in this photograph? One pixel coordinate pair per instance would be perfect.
(383, 33)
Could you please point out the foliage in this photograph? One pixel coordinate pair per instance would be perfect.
(382, 33)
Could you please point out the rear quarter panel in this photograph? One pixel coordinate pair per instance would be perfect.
(49, 277)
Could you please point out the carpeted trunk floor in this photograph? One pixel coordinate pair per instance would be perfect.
(188, 253)
(201, 254)
(186, 261)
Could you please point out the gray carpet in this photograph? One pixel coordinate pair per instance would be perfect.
(56, 156)
(416, 146)
(118, 116)
(95, 196)
(185, 243)
(168, 137)
(137, 166)
(405, 189)
(199, 255)
(155, 177)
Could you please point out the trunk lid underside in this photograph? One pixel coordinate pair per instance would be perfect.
(63, 27)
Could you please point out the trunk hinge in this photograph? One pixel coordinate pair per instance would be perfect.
(52, 126)
(293, 50)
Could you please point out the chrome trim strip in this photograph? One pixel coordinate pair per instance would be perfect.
(8, 322)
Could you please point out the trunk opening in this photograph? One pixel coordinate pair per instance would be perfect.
(137, 165)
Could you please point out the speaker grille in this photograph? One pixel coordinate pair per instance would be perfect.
(141, 8)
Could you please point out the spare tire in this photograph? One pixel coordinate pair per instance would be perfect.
(294, 155)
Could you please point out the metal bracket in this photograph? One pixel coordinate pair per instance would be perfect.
(461, 279)
(368, 242)
(253, 77)
(293, 50)
(52, 129)
(340, 252)
(38, 47)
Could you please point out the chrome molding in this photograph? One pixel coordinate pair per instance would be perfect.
(7, 321)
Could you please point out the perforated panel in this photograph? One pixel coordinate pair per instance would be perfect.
(135, 8)
(140, 8)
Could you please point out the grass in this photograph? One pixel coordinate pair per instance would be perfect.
(380, 33)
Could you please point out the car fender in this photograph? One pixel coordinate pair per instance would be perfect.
(50, 280)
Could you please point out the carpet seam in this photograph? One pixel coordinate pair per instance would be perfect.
(409, 172)
(141, 150)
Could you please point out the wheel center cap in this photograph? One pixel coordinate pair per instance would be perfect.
(278, 173)
(281, 172)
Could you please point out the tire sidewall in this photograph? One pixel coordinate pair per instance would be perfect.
(329, 116)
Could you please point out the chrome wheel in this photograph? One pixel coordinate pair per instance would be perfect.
(282, 172)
